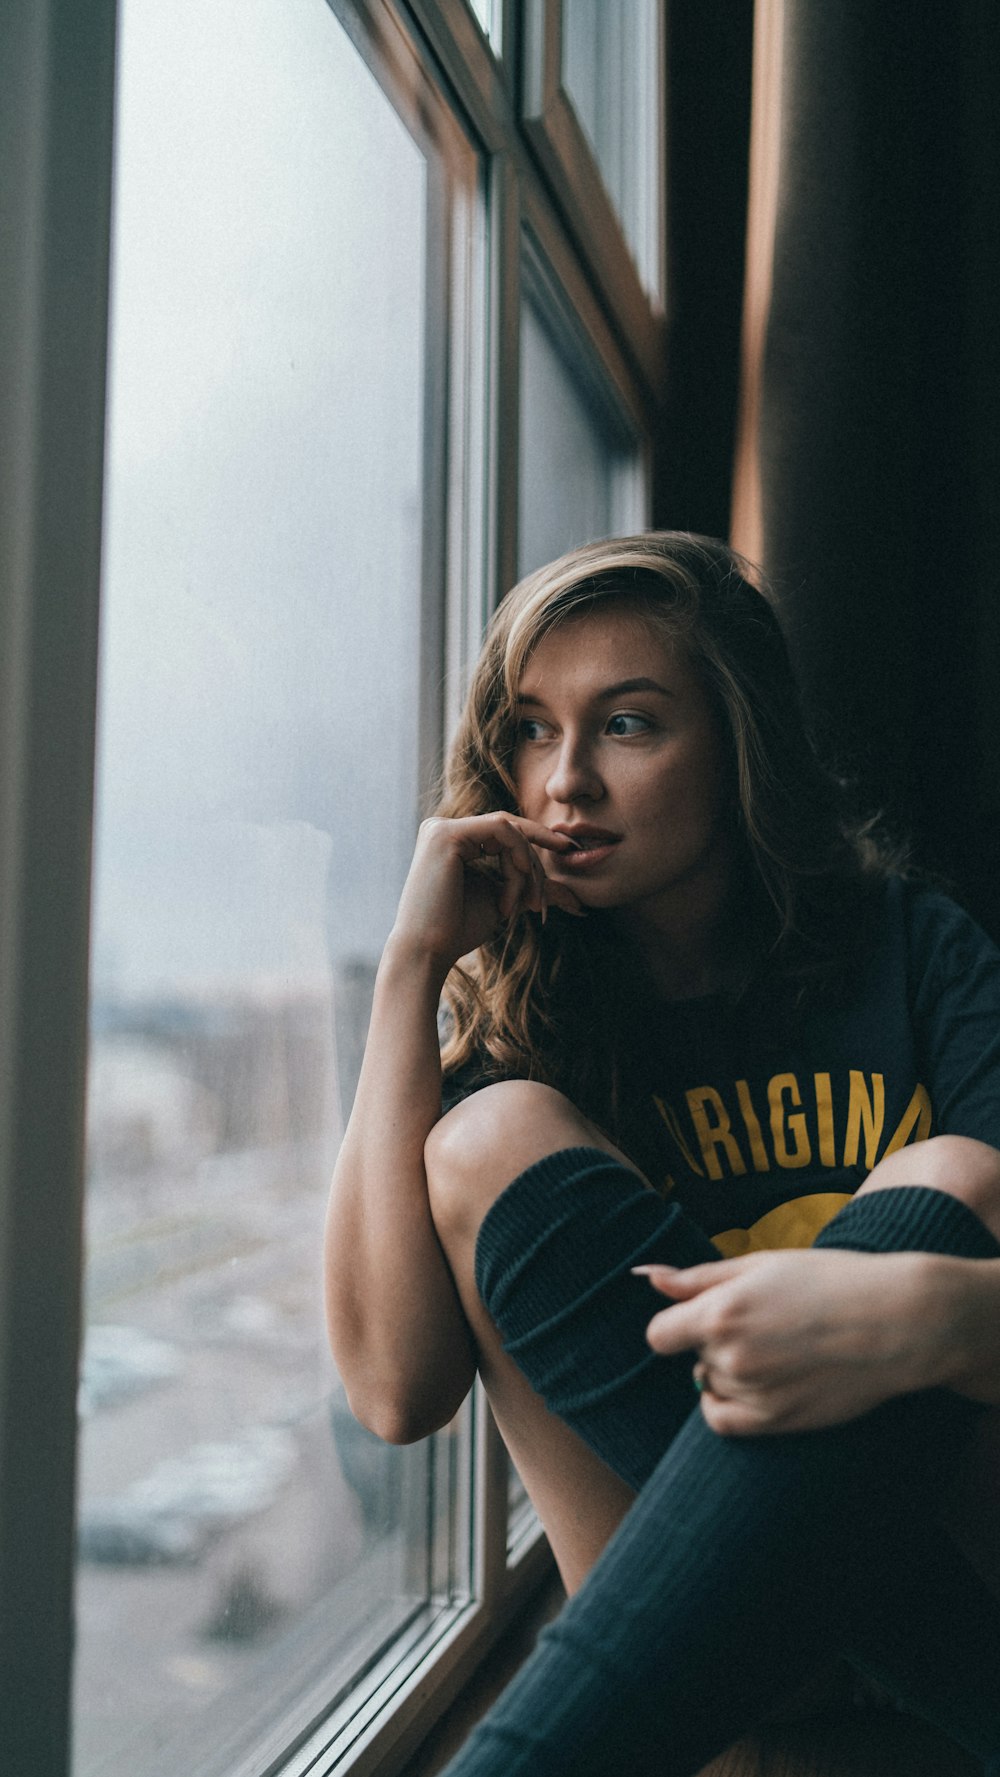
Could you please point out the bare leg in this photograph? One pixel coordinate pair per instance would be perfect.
(471, 1157)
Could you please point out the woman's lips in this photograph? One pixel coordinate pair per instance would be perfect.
(587, 858)
(592, 848)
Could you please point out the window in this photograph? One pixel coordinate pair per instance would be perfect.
(593, 112)
(360, 374)
(580, 474)
(241, 1538)
(490, 16)
(610, 73)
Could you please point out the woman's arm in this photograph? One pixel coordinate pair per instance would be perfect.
(969, 1293)
(396, 1327)
(791, 1341)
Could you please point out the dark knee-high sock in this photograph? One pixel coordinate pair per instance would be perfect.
(923, 1604)
(909, 1219)
(553, 1262)
(744, 1559)
(727, 1582)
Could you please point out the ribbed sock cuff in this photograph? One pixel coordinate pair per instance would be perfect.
(553, 1269)
(910, 1219)
(587, 1216)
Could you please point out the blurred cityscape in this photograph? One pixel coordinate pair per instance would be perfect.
(243, 1543)
(236, 1526)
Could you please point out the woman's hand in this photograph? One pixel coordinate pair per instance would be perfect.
(471, 875)
(790, 1341)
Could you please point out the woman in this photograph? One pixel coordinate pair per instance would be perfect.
(699, 1014)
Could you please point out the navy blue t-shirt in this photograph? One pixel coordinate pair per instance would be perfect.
(764, 1124)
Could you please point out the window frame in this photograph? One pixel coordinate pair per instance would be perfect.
(56, 106)
(57, 133)
(568, 164)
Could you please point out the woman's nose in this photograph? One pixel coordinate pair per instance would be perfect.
(573, 777)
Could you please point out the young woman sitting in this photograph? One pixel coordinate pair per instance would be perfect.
(702, 1032)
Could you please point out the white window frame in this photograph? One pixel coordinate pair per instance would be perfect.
(56, 127)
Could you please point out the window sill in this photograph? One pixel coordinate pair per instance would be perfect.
(489, 1679)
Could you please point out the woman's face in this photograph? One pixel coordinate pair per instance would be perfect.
(619, 747)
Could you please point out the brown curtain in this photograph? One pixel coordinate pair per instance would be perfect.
(708, 63)
(872, 404)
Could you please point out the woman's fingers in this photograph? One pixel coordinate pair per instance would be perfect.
(512, 841)
(519, 868)
(688, 1322)
(535, 832)
(788, 1341)
(677, 1329)
(739, 1419)
(682, 1282)
(471, 872)
(517, 878)
(741, 1394)
(493, 833)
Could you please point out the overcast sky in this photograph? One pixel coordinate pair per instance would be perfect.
(258, 738)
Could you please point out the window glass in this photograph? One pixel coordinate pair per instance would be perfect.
(490, 16)
(571, 454)
(244, 1545)
(610, 70)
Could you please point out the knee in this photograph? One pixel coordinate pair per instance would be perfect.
(472, 1154)
(964, 1168)
(970, 1170)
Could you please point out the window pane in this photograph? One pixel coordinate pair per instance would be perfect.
(490, 16)
(610, 71)
(571, 456)
(243, 1543)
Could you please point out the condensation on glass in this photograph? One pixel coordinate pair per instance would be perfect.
(243, 1544)
(611, 74)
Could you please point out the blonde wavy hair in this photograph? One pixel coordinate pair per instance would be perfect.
(555, 1003)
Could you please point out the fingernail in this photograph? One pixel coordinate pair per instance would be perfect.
(647, 1270)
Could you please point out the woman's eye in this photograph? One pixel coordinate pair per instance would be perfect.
(629, 724)
(529, 728)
